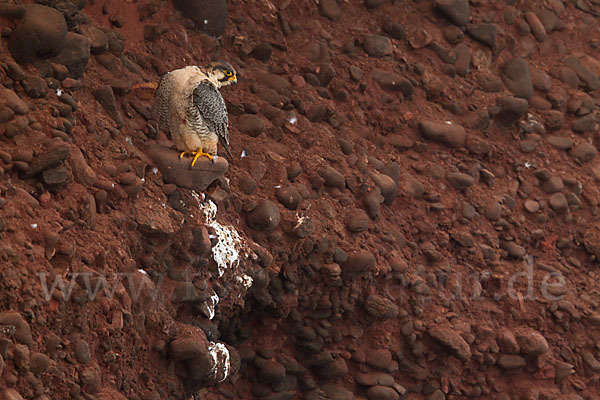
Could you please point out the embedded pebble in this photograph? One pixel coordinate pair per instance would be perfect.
(460, 180)
(450, 134)
(265, 216)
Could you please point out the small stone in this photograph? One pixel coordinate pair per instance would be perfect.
(271, 372)
(591, 361)
(538, 30)
(584, 124)
(372, 202)
(82, 351)
(262, 51)
(578, 64)
(326, 74)
(332, 177)
(357, 221)
(547, 17)
(91, 378)
(14, 102)
(532, 343)
(377, 46)
(39, 363)
(558, 202)
(23, 332)
(484, 32)
(553, 184)
(355, 73)
(531, 206)
(393, 82)
(527, 146)
(97, 37)
(449, 134)
(515, 75)
(380, 307)
(265, 216)
(381, 359)
(448, 337)
(382, 393)
(540, 79)
(512, 249)
(460, 181)
(316, 113)
(512, 109)
(413, 187)
(356, 264)
(21, 357)
(35, 87)
(394, 29)
(488, 82)
(250, 124)
(584, 152)
(456, 10)
(105, 96)
(289, 197)
(335, 392)
(400, 142)
(511, 361)
(569, 77)
(208, 16)
(453, 34)
(374, 378)
(389, 188)
(331, 9)
(54, 157)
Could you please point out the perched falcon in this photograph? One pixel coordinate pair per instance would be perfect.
(190, 107)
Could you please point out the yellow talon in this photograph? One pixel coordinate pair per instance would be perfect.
(199, 153)
(196, 154)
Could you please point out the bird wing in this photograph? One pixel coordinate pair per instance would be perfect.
(162, 106)
(213, 111)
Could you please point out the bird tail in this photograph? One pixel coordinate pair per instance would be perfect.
(226, 146)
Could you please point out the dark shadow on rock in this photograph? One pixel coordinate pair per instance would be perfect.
(180, 171)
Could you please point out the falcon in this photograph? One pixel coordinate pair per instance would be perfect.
(190, 107)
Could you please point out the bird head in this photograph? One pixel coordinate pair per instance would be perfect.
(221, 72)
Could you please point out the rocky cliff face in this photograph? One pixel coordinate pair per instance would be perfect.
(411, 211)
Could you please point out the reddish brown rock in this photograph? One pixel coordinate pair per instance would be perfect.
(447, 133)
(448, 337)
(180, 172)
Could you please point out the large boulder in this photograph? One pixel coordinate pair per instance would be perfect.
(180, 172)
(209, 16)
(40, 34)
(75, 54)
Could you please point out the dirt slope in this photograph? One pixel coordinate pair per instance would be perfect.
(413, 202)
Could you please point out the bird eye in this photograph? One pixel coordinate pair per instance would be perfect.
(228, 73)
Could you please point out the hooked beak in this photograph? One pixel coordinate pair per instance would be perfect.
(233, 80)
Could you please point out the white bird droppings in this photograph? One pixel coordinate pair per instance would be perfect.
(226, 252)
(218, 351)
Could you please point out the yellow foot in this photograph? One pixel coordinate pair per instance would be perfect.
(196, 154)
